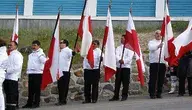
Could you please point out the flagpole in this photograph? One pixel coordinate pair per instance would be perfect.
(158, 67)
(103, 45)
(77, 36)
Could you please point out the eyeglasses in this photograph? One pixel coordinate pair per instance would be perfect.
(61, 43)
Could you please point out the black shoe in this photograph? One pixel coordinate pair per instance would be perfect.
(159, 96)
(94, 101)
(86, 101)
(180, 95)
(60, 103)
(152, 97)
(27, 106)
(35, 106)
(114, 99)
(123, 98)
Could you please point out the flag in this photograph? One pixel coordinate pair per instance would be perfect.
(85, 33)
(51, 68)
(109, 56)
(183, 43)
(131, 38)
(167, 33)
(14, 36)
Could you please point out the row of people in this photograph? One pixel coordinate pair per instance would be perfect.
(11, 71)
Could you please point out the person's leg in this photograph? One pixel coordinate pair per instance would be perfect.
(60, 83)
(161, 77)
(95, 84)
(2, 100)
(189, 79)
(87, 86)
(125, 80)
(12, 95)
(181, 86)
(66, 85)
(117, 85)
(152, 80)
(38, 78)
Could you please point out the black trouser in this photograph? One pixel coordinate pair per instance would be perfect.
(156, 78)
(34, 89)
(182, 85)
(11, 91)
(91, 78)
(122, 76)
(63, 86)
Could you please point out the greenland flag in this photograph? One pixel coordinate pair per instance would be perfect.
(167, 33)
(51, 68)
(183, 43)
(131, 39)
(85, 33)
(14, 36)
(109, 56)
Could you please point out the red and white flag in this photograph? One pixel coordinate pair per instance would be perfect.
(167, 33)
(131, 38)
(85, 32)
(51, 68)
(15, 35)
(109, 56)
(183, 43)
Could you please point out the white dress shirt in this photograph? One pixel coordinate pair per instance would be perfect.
(36, 61)
(14, 65)
(127, 56)
(3, 60)
(65, 59)
(97, 55)
(154, 51)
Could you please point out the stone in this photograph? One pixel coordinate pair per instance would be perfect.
(22, 101)
(25, 84)
(72, 82)
(54, 90)
(108, 87)
(20, 87)
(74, 89)
(80, 81)
(24, 94)
(78, 73)
(50, 99)
(134, 77)
(45, 93)
(134, 86)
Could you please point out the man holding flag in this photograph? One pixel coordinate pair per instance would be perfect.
(157, 69)
(123, 70)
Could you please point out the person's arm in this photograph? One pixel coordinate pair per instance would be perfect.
(118, 54)
(152, 46)
(128, 57)
(43, 58)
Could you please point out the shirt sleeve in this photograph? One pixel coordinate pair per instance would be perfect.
(118, 54)
(42, 58)
(128, 57)
(152, 46)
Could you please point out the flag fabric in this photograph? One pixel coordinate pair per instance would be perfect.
(85, 33)
(131, 39)
(109, 56)
(15, 36)
(51, 68)
(183, 43)
(167, 33)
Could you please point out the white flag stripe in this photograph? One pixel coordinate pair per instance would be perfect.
(54, 69)
(109, 56)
